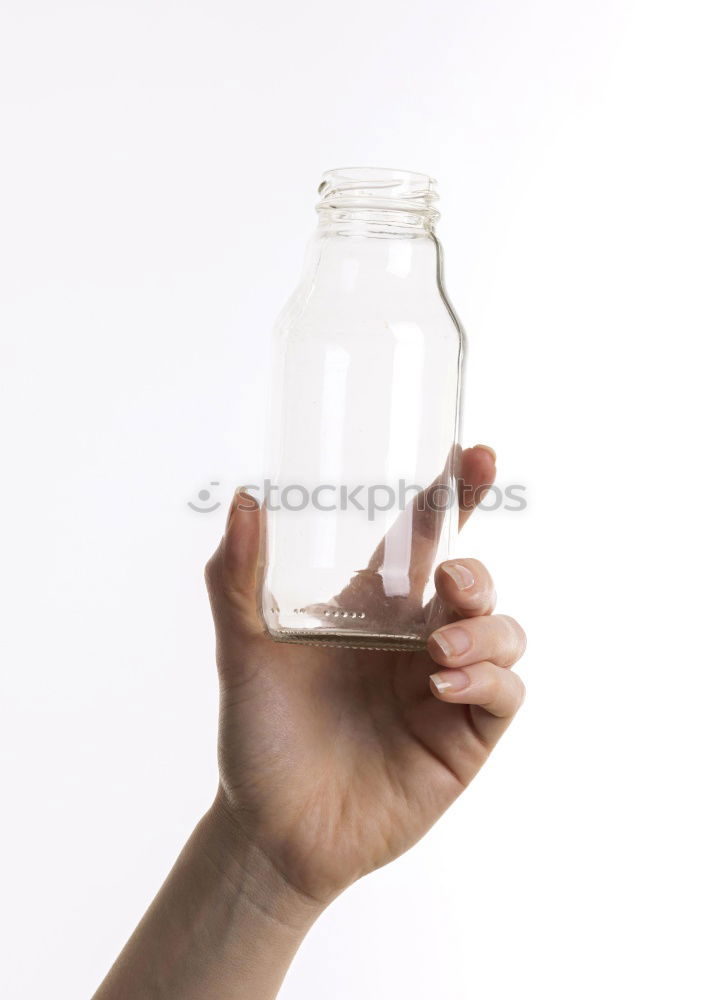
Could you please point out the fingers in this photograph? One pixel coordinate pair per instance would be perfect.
(466, 585)
(475, 471)
(497, 638)
(478, 471)
(500, 692)
(241, 542)
(474, 650)
(232, 569)
(407, 550)
(492, 695)
(402, 562)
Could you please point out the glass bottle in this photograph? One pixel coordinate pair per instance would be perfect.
(360, 498)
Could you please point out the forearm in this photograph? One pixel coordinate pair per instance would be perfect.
(224, 925)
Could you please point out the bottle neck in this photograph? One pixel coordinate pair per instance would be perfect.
(369, 221)
(365, 256)
(377, 203)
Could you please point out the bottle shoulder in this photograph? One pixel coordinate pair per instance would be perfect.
(371, 289)
(373, 320)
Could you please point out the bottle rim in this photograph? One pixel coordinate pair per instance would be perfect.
(378, 188)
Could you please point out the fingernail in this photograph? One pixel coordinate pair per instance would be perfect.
(452, 640)
(462, 577)
(241, 500)
(245, 500)
(452, 680)
(487, 448)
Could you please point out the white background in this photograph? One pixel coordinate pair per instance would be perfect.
(157, 177)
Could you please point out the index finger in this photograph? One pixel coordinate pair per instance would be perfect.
(478, 471)
(418, 528)
(406, 553)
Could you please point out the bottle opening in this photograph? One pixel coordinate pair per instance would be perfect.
(379, 189)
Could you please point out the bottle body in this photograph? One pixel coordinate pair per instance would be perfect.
(361, 487)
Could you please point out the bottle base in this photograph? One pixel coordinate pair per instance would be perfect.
(349, 640)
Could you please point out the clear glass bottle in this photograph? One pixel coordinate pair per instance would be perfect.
(365, 413)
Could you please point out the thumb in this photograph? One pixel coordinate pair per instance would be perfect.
(231, 572)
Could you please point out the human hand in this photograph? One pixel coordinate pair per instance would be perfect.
(334, 761)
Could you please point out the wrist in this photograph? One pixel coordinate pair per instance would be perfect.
(225, 924)
(250, 878)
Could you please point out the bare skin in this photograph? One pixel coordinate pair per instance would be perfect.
(332, 763)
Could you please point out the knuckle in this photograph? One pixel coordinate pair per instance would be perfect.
(518, 635)
(211, 573)
(490, 604)
(520, 691)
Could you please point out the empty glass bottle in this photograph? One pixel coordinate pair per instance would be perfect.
(361, 488)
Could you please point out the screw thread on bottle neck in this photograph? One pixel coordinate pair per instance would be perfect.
(372, 201)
